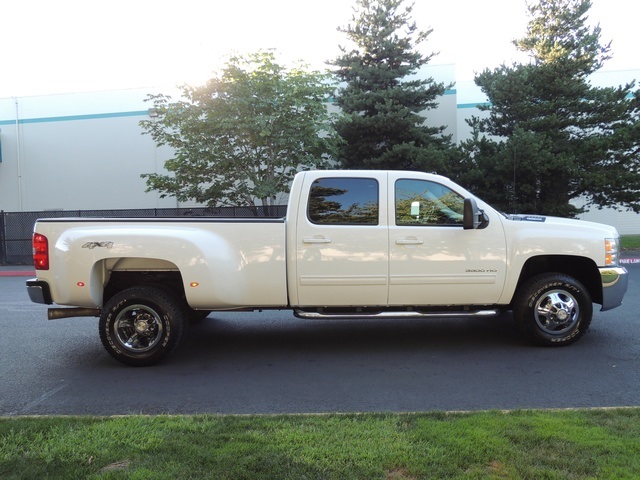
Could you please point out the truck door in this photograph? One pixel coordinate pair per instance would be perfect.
(433, 260)
(342, 252)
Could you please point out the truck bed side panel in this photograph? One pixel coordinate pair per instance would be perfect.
(223, 264)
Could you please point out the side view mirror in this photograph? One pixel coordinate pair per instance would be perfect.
(473, 217)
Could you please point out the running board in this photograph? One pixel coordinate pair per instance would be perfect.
(393, 314)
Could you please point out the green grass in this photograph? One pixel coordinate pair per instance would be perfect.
(630, 242)
(578, 444)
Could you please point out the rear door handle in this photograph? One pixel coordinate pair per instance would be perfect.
(316, 240)
(409, 241)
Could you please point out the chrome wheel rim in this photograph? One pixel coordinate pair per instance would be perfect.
(557, 312)
(138, 328)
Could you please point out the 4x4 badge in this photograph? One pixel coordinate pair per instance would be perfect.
(92, 245)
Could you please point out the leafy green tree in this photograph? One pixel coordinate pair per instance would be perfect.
(241, 138)
(384, 104)
(552, 136)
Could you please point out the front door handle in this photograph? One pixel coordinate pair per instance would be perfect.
(316, 240)
(409, 241)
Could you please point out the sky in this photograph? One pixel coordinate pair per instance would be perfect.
(68, 46)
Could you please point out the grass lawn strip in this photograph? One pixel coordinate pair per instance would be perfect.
(630, 242)
(515, 444)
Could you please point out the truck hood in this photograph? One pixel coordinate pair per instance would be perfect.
(607, 230)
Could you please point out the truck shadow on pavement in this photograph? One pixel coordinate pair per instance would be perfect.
(232, 335)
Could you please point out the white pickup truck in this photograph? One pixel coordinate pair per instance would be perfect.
(353, 244)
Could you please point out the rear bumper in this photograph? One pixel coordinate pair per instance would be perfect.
(614, 285)
(39, 291)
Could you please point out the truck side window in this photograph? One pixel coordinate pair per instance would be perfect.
(421, 202)
(344, 201)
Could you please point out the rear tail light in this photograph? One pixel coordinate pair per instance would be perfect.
(40, 252)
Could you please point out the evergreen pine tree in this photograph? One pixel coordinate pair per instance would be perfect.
(561, 139)
(382, 101)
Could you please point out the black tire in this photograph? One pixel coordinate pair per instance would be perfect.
(140, 326)
(553, 309)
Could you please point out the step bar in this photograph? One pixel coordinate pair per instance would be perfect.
(316, 315)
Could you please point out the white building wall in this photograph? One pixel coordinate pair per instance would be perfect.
(445, 113)
(77, 152)
(9, 174)
(626, 222)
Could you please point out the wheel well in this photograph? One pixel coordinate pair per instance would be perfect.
(581, 268)
(169, 281)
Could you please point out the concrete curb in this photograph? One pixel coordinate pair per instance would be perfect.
(17, 273)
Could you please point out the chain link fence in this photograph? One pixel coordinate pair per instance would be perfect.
(16, 228)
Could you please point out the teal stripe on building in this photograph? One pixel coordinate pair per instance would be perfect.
(71, 118)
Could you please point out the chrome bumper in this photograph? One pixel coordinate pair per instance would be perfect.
(614, 285)
(38, 291)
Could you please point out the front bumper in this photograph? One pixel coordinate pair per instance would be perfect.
(39, 291)
(614, 285)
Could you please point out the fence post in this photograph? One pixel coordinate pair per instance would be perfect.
(3, 243)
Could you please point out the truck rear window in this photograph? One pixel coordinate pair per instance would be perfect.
(344, 201)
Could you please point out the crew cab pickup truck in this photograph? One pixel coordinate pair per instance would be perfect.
(352, 244)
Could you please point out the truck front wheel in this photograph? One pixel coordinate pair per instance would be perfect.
(553, 309)
(140, 326)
